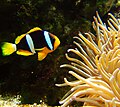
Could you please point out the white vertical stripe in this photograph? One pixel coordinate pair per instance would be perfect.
(30, 43)
(47, 38)
(14, 46)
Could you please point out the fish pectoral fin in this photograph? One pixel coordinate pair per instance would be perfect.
(41, 49)
(24, 52)
(41, 55)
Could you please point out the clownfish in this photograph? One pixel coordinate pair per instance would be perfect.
(34, 41)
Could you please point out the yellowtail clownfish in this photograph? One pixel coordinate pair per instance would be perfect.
(34, 41)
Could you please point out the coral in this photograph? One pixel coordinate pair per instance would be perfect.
(97, 71)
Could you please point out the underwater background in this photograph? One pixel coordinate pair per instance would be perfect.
(35, 80)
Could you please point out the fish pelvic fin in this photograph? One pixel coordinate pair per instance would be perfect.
(41, 55)
(8, 48)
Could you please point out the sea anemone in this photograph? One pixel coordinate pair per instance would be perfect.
(97, 72)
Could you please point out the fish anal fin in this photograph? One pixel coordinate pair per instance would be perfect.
(34, 29)
(41, 55)
(24, 52)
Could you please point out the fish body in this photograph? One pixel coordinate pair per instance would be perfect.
(34, 41)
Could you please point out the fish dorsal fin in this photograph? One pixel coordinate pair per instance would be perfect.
(21, 36)
(18, 39)
(30, 43)
(47, 38)
(34, 29)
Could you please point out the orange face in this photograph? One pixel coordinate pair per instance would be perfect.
(57, 41)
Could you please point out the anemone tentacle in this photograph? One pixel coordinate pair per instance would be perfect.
(97, 76)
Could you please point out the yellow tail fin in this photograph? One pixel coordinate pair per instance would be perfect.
(8, 48)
